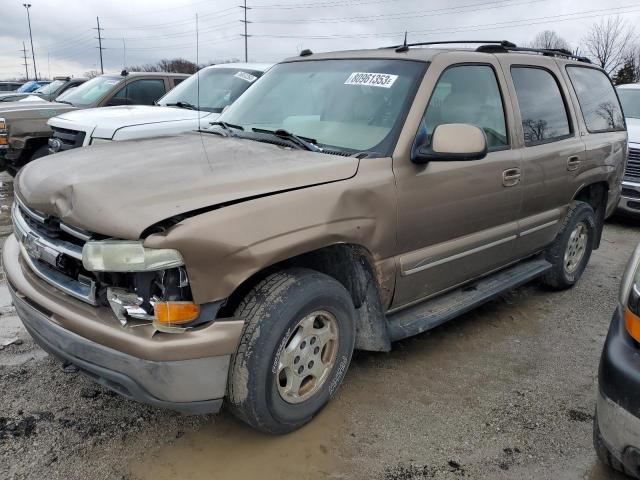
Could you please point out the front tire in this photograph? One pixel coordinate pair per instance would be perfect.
(294, 352)
(571, 250)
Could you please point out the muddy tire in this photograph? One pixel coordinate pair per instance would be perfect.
(570, 251)
(603, 453)
(295, 349)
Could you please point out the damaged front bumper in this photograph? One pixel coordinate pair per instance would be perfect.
(186, 372)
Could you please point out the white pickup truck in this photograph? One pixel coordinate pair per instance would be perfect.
(191, 105)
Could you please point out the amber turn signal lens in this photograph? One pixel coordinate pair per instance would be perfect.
(632, 322)
(3, 140)
(175, 313)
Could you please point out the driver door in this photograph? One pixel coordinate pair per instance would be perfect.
(458, 220)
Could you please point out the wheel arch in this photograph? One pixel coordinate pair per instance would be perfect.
(595, 194)
(352, 266)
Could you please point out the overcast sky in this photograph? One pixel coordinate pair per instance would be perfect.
(65, 43)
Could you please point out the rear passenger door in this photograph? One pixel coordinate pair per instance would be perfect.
(551, 146)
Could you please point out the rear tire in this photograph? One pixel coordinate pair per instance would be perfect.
(295, 349)
(570, 251)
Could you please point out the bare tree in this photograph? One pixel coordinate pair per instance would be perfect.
(550, 40)
(608, 42)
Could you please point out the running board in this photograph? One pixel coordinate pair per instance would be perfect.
(431, 313)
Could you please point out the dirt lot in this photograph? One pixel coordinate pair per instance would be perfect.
(505, 392)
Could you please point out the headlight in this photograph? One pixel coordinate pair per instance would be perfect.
(126, 256)
(631, 294)
(99, 141)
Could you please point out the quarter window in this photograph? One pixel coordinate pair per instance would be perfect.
(600, 107)
(468, 94)
(542, 107)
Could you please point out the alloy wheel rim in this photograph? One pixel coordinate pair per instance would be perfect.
(576, 247)
(307, 356)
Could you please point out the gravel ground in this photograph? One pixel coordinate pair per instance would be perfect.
(507, 391)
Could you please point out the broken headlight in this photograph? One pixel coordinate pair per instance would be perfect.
(127, 256)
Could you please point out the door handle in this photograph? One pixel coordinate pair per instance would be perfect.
(573, 163)
(511, 177)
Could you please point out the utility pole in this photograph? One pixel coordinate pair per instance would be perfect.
(35, 72)
(246, 36)
(24, 55)
(100, 43)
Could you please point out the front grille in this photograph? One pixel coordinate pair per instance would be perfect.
(53, 251)
(68, 139)
(633, 164)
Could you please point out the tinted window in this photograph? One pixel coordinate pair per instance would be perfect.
(141, 92)
(468, 94)
(598, 102)
(544, 115)
(630, 100)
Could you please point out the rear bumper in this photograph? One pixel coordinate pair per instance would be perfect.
(165, 370)
(630, 200)
(618, 405)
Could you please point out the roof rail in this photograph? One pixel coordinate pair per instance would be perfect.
(548, 52)
(405, 46)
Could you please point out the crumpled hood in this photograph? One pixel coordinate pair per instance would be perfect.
(110, 119)
(633, 127)
(120, 189)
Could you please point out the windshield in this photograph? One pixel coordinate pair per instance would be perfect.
(93, 90)
(630, 100)
(28, 87)
(219, 87)
(348, 105)
(51, 87)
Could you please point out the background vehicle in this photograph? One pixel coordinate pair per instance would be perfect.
(616, 425)
(27, 133)
(180, 110)
(10, 86)
(347, 200)
(47, 92)
(630, 100)
(28, 87)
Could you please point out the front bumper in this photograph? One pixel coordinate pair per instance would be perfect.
(618, 406)
(185, 372)
(630, 200)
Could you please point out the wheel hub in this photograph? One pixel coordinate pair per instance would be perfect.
(307, 357)
(576, 247)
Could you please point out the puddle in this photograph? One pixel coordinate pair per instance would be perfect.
(228, 449)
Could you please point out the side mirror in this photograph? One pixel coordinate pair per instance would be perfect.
(453, 142)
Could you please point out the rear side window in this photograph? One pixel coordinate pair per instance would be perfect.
(542, 107)
(598, 102)
(142, 92)
(468, 94)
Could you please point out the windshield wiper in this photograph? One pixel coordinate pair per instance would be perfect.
(186, 105)
(302, 142)
(227, 127)
(63, 101)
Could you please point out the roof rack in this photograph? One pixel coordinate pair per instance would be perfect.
(495, 46)
(405, 46)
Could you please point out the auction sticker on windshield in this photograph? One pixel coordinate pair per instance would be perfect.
(383, 80)
(247, 77)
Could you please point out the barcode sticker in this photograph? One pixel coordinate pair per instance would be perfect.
(383, 80)
(247, 77)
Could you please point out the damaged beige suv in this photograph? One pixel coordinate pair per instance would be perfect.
(346, 201)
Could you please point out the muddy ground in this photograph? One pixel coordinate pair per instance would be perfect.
(506, 392)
